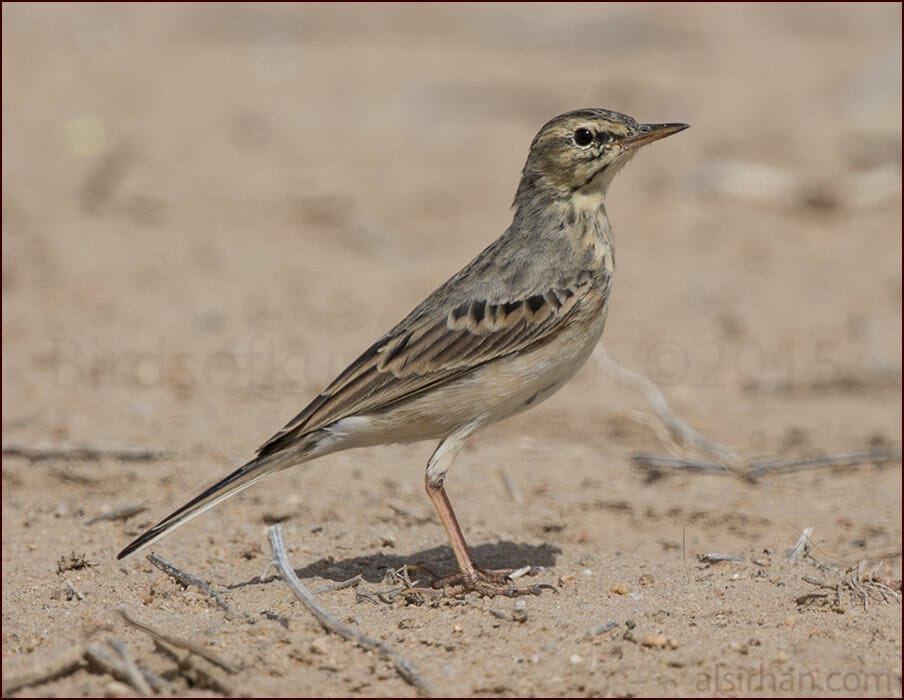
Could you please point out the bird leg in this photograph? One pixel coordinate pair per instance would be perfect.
(490, 582)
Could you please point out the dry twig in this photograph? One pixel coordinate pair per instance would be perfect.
(400, 585)
(331, 624)
(122, 513)
(658, 463)
(757, 468)
(763, 466)
(76, 453)
(601, 629)
(116, 666)
(348, 583)
(45, 670)
(178, 642)
(729, 462)
(859, 584)
(510, 486)
(802, 547)
(133, 673)
(677, 428)
(716, 557)
(186, 579)
(197, 672)
(73, 592)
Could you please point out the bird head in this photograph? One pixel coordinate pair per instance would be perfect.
(580, 152)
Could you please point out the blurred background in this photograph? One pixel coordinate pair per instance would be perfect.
(207, 208)
(210, 209)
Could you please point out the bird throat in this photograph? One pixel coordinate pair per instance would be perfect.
(587, 224)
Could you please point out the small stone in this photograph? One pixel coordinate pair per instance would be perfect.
(567, 580)
(115, 689)
(619, 588)
(791, 620)
(575, 659)
(646, 580)
(657, 641)
(319, 646)
(519, 611)
(384, 672)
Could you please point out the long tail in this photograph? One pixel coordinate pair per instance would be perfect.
(239, 480)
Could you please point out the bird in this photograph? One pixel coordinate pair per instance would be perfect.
(500, 336)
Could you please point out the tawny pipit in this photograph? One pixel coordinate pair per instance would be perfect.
(501, 335)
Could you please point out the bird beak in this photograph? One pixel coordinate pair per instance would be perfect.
(651, 132)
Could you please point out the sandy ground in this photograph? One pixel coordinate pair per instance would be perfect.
(208, 211)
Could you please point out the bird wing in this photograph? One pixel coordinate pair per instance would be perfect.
(430, 348)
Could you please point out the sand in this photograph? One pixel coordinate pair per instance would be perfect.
(209, 210)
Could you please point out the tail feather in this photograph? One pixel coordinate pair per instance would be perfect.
(237, 481)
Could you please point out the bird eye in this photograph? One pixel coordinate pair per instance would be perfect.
(583, 137)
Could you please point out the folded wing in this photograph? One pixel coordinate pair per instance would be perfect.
(431, 348)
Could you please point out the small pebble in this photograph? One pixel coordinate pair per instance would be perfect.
(518, 573)
(567, 580)
(115, 689)
(655, 640)
(619, 589)
(659, 641)
(576, 659)
(791, 620)
(319, 646)
(519, 611)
